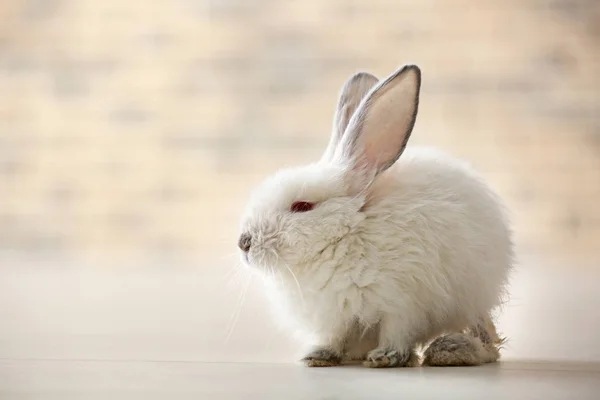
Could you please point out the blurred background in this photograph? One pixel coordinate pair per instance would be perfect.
(131, 133)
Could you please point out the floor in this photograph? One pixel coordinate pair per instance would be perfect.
(84, 380)
(182, 332)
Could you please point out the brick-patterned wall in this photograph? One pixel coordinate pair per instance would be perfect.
(137, 128)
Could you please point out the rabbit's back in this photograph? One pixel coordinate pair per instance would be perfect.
(439, 238)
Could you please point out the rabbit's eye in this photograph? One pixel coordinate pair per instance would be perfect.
(301, 206)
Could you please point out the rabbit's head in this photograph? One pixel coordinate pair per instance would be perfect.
(297, 215)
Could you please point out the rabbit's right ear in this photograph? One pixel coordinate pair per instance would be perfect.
(354, 90)
(381, 126)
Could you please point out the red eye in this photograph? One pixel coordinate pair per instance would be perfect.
(301, 206)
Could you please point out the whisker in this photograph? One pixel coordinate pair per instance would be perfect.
(291, 273)
(237, 311)
(234, 278)
(235, 269)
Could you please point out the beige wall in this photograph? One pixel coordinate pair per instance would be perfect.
(139, 127)
(134, 130)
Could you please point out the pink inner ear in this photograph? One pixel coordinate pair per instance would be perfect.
(379, 132)
(383, 147)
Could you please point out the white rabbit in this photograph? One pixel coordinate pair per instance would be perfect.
(376, 251)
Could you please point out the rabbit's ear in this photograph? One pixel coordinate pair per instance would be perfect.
(354, 90)
(378, 131)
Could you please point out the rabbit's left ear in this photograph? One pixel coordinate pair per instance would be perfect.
(354, 90)
(380, 128)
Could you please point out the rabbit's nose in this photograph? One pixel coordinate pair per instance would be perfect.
(245, 242)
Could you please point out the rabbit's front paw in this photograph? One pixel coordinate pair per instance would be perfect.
(322, 357)
(387, 358)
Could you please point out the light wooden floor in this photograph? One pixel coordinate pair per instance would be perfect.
(77, 332)
(82, 380)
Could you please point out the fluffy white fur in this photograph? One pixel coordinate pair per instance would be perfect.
(422, 249)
